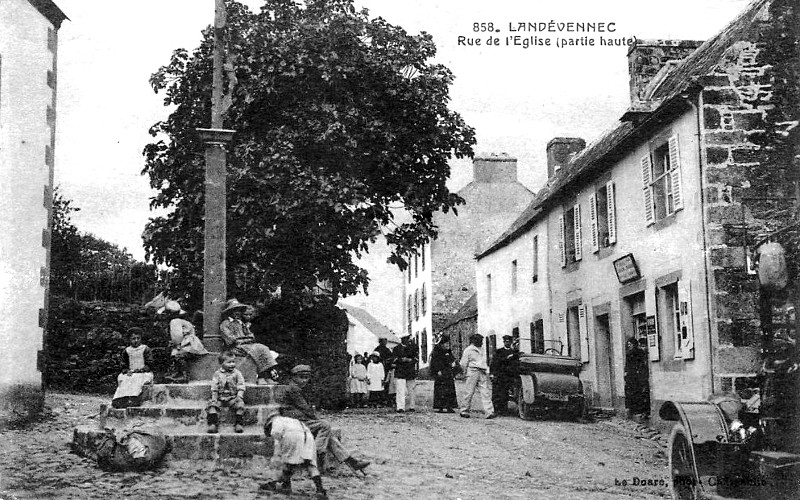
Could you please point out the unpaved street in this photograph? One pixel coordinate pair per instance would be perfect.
(418, 455)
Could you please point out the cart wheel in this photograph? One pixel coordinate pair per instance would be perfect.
(525, 410)
(685, 483)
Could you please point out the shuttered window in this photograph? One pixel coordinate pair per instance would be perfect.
(662, 184)
(602, 217)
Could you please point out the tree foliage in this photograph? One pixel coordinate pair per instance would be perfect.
(339, 119)
(85, 267)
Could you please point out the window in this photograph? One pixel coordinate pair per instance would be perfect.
(424, 346)
(515, 333)
(577, 333)
(424, 300)
(675, 319)
(491, 347)
(513, 276)
(410, 312)
(537, 337)
(535, 258)
(661, 181)
(416, 342)
(570, 237)
(602, 216)
(416, 304)
(489, 289)
(416, 266)
(409, 272)
(423, 257)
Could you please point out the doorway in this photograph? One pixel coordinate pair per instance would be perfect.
(606, 389)
(637, 376)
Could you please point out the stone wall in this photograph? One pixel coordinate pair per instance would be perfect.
(750, 114)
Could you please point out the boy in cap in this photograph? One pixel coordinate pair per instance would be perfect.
(296, 406)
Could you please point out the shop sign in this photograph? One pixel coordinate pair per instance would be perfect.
(626, 269)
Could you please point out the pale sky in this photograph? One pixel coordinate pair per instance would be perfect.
(517, 98)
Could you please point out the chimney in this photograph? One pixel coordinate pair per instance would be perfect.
(560, 151)
(647, 57)
(494, 168)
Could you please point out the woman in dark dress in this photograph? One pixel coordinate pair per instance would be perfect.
(443, 367)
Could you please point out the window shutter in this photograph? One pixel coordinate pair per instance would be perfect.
(583, 329)
(593, 221)
(611, 213)
(578, 236)
(653, 349)
(562, 247)
(675, 172)
(687, 332)
(647, 189)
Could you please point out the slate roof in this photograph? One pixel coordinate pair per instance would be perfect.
(370, 323)
(50, 10)
(597, 155)
(468, 310)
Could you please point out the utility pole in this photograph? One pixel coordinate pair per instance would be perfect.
(216, 139)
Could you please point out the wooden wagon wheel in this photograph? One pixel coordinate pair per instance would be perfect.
(684, 481)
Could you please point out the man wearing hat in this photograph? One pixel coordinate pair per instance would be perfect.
(237, 336)
(405, 374)
(296, 406)
(503, 371)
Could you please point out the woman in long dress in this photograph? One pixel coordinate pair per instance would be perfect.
(443, 368)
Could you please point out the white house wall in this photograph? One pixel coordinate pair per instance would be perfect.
(27, 121)
(660, 249)
(508, 309)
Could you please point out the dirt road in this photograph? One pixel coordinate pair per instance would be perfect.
(419, 455)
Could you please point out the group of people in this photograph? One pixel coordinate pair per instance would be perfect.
(388, 372)
(136, 359)
(388, 376)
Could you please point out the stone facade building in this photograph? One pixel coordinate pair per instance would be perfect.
(28, 48)
(446, 277)
(649, 231)
(493, 199)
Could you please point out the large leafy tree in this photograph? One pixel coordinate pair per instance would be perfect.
(340, 119)
(85, 267)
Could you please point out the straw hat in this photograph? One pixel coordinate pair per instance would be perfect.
(171, 307)
(232, 305)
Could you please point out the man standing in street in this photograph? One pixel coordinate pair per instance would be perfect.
(296, 406)
(388, 367)
(473, 363)
(405, 374)
(503, 371)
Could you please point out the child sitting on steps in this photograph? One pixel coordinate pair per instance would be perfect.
(227, 390)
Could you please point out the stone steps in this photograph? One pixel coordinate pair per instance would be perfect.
(179, 411)
(177, 395)
(190, 443)
(180, 416)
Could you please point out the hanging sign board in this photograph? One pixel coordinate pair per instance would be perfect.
(626, 269)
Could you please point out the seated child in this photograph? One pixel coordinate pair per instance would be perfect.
(185, 346)
(376, 376)
(294, 448)
(358, 381)
(227, 390)
(136, 361)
